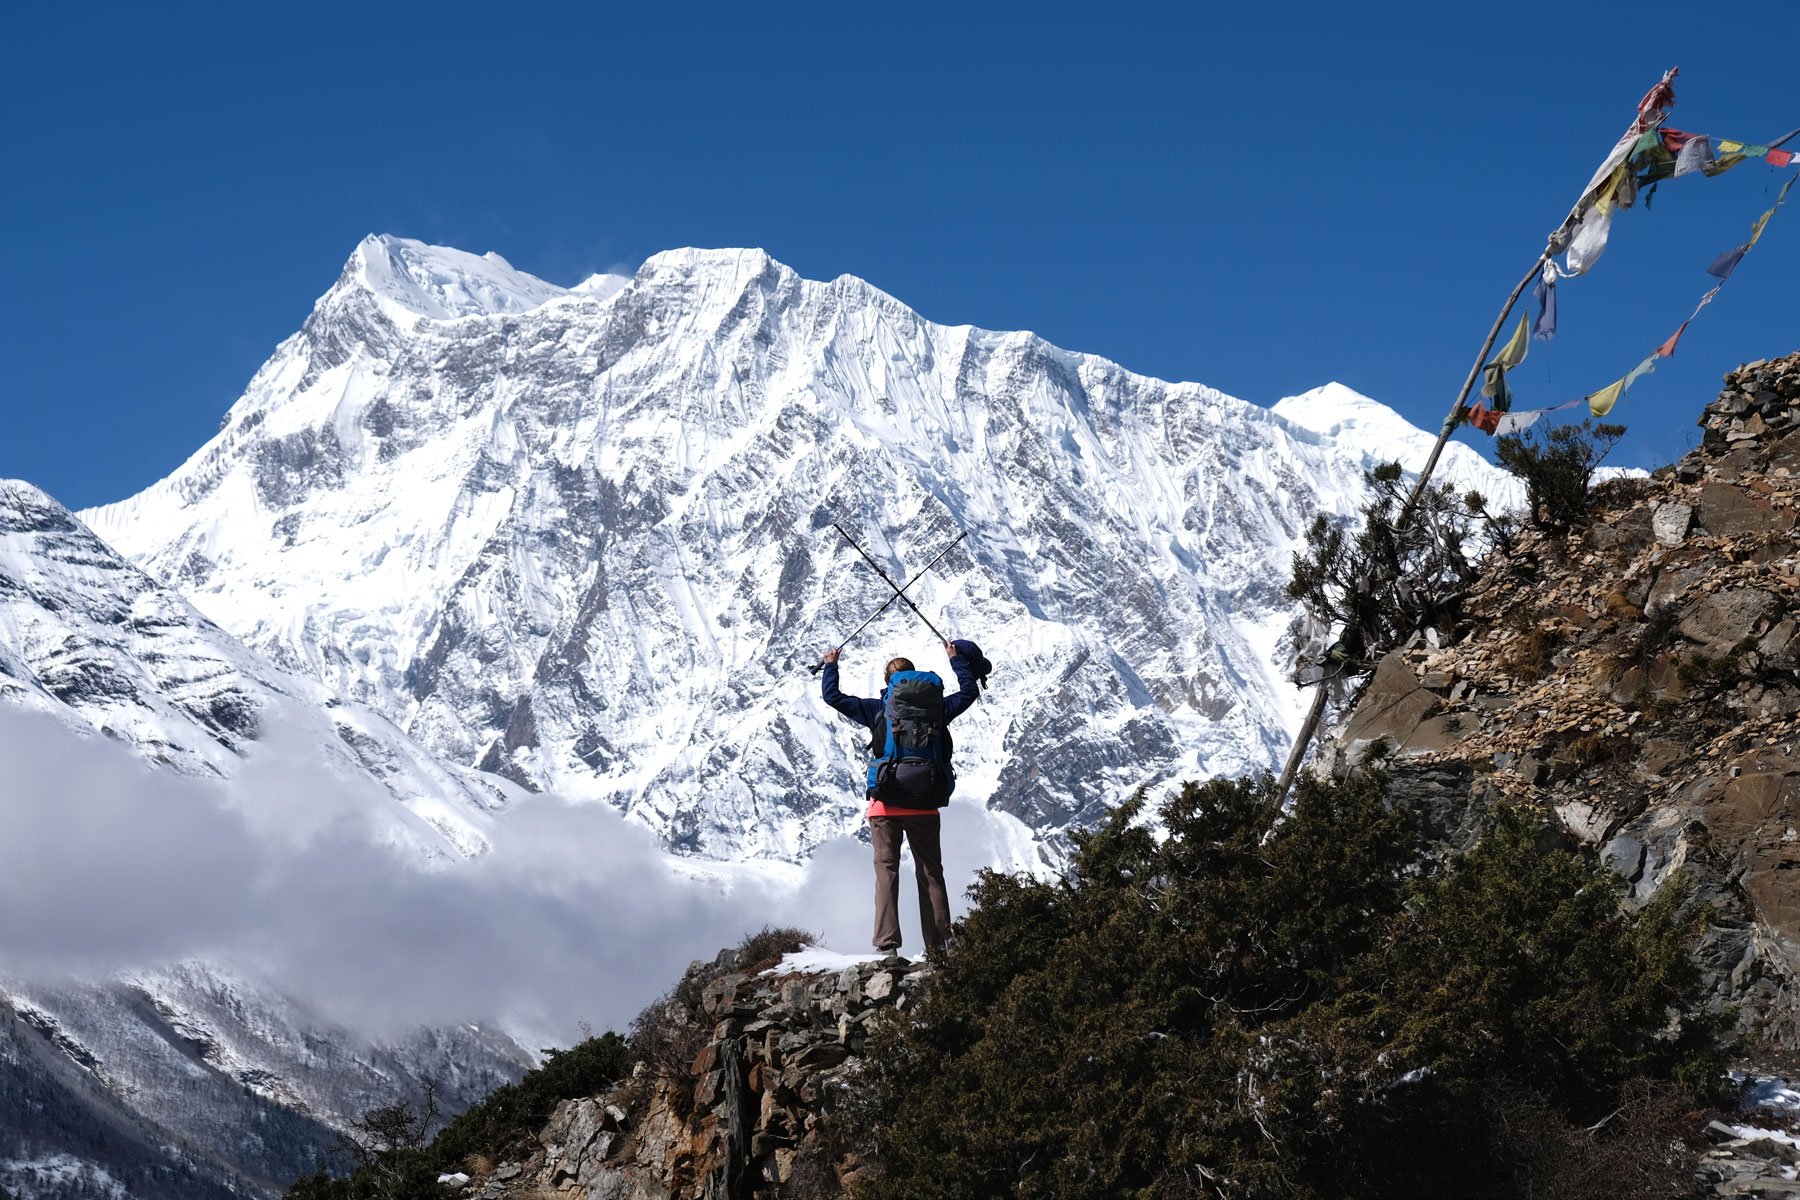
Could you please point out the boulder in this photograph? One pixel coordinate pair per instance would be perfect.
(1670, 523)
(1392, 708)
(1729, 511)
(1721, 620)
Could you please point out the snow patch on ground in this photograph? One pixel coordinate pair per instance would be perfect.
(816, 960)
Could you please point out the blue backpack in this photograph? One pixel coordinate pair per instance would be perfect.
(912, 746)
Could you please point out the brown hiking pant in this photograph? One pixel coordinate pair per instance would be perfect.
(928, 865)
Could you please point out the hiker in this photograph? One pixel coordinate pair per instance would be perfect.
(909, 780)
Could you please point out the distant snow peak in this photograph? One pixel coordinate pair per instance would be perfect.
(1370, 430)
(444, 284)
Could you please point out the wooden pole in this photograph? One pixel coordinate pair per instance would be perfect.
(1316, 713)
(1454, 417)
(1309, 728)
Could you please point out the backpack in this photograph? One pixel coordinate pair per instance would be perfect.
(911, 746)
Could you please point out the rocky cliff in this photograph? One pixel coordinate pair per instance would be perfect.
(761, 1108)
(1640, 677)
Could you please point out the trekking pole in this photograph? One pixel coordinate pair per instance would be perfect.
(817, 667)
(898, 592)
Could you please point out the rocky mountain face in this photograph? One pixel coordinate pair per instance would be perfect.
(190, 1082)
(1640, 677)
(581, 539)
(748, 1116)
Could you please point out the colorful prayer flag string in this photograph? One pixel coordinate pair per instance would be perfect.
(1498, 421)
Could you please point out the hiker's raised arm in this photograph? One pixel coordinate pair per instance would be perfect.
(967, 689)
(855, 707)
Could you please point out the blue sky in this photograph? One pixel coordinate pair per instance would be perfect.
(1261, 198)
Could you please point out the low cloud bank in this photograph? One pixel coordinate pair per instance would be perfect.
(297, 874)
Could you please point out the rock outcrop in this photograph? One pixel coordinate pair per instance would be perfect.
(1640, 678)
(753, 1114)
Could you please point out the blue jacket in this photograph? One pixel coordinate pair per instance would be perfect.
(867, 712)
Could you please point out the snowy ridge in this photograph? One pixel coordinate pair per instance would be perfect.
(99, 645)
(1356, 425)
(416, 280)
(586, 545)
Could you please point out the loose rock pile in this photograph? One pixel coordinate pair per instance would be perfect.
(751, 1117)
(1761, 399)
(1759, 1166)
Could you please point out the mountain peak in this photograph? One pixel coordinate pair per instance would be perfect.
(443, 283)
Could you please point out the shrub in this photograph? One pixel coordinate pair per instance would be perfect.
(1404, 570)
(1251, 1004)
(769, 945)
(1531, 655)
(1557, 467)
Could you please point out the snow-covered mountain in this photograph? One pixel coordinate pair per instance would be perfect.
(192, 1083)
(91, 640)
(581, 539)
(193, 1080)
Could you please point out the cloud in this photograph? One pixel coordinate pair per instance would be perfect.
(303, 877)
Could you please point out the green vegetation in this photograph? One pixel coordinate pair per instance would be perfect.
(1557, 467)
(398, 1159)
(1376, 587)
(1260, 1004)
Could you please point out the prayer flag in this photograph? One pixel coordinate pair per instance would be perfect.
(1483, 418)
(1512, 422)
(1658, 98)
(1755, 151)
(1513, 353)
(1674, 139)
(1493, 384)
(1726, 263)
(1722, 164)
(1730, 147)
(1545, 292)
(1601, 402)
(1637, 372)
(1589, 239)
(1667, 349)
(1780, 158)
(1695, 155)
(1756, 229)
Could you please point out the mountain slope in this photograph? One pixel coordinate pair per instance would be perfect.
(582, 539)
(191, 1081)
(96, 643)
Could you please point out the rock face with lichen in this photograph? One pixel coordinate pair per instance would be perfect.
(1640, 678)
(755, 1113)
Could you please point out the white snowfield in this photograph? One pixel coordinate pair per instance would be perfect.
(581, 538)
